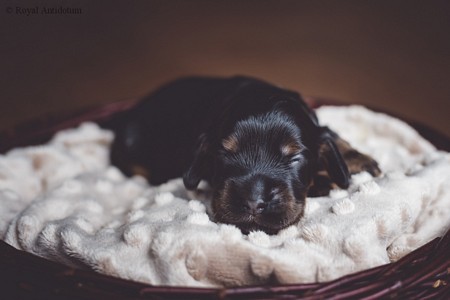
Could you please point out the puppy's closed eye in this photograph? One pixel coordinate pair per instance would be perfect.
(293, 152)
(291, 149)
(296, 159)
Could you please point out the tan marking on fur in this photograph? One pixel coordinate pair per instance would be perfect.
(140, 170)
(290, 148)
(354, 167)
(356, 161)
(231, 143)
(219, 203)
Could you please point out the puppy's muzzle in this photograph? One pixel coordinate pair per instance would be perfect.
(259, 194)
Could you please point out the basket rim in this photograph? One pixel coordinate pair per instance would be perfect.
(386, 279)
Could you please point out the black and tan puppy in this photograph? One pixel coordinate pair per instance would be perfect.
(259, 146)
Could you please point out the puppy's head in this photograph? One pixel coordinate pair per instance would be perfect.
(260, 171)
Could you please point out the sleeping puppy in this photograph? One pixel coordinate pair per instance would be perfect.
(259, 147)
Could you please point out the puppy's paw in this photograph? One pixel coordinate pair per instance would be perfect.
(358, 162)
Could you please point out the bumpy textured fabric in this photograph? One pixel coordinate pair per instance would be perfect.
(63, 201)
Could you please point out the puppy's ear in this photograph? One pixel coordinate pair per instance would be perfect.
(295, 106)
(331, 158)
(199, 165)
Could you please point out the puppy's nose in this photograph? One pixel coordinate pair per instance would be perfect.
(257, 194)
(255, 206)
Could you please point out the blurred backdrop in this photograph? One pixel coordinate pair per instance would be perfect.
(394, 55)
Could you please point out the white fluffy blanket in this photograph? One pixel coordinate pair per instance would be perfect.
(63, 201)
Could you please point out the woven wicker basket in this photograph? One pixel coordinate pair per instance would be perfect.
(423, 274)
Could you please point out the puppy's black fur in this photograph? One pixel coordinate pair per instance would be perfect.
(259, 146)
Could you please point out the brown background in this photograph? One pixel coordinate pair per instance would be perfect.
(394, 55)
